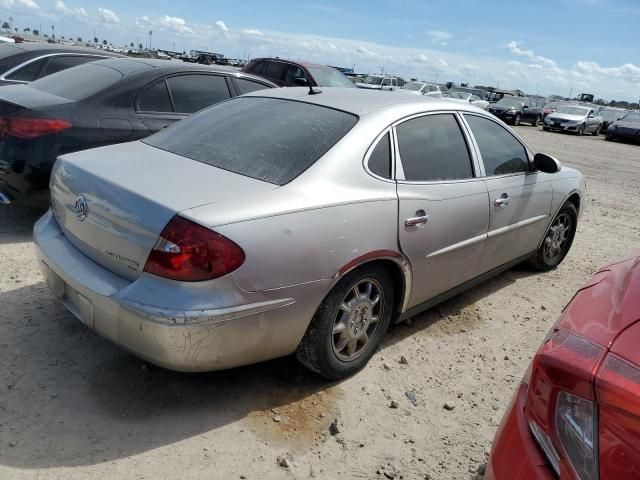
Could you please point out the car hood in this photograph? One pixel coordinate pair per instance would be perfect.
(627, 124)
(566, 116)
(607, 304)
(369, 86)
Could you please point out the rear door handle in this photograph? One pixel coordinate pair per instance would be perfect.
(421, 217)
(502, 201)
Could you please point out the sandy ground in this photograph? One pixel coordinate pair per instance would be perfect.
(73, 406)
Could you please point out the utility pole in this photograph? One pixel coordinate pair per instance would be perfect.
(150, 34)
(53, 32)
(436, 80)
(570, 92)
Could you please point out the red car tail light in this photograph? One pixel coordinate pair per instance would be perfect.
(23, 127)
(189, 252)
(560, 407)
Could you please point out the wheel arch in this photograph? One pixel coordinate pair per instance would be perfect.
(573, 197)
(395, 263)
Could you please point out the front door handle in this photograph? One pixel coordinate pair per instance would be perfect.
(502, 201)
(421, 217)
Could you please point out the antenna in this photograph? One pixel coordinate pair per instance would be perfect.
(312, 91)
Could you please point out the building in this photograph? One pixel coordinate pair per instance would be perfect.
(196, 53)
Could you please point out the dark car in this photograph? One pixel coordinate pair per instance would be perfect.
(286, 73)
(515, 110)
(27, 62)
(627, 128)
(99, 103)
(610, 115)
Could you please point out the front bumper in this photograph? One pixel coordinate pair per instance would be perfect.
(198, 326)
(562, 127)
(515, 454)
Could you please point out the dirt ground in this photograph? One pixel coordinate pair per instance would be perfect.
(74, 406)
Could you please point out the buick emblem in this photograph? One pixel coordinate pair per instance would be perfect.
(82, 208)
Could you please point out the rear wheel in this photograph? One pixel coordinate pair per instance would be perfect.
(349, 324)
(597, 131)
(546, 129)
(516, 121)
(558, 239)
(536, 122)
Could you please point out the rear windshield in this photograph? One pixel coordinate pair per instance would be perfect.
(79, 82)
(268, 139)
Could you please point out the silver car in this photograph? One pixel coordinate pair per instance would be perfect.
(575, 119)
(294, 221)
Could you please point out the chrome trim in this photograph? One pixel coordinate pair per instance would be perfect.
(210, 316)
(457, 246)
(4, 199)
(515, 226)
(60, 54)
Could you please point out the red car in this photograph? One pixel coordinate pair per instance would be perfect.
(576, 414)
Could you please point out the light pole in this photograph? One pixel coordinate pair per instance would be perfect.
(53, 34)
(150, 34)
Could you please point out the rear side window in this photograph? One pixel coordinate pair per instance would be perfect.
(57, 64)
(268, 139)
(501, 152)
(156, 99)
(433, 148)
(380, 159)
(248, 86)
(81, 83)
(194, 92)
(29, 72)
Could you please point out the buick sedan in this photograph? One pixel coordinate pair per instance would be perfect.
(297, 221)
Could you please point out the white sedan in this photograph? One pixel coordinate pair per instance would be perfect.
(463, 97)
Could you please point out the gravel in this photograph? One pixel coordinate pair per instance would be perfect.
(113, 417)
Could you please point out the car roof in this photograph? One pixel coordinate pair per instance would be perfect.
(47, 48)
(360, 101)
(295, 62)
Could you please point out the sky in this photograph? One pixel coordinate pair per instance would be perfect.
(543, 46)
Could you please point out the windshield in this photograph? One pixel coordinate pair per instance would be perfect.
(372, 80)
(413, 86)
(462, 95)
(571, 110)
(330, 77)
(268, 139)
(510, 102)
(79, 82)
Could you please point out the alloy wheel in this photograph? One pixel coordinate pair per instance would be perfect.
(358, 319)
(558, 237)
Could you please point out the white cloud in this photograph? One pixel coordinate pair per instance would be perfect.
(75, 13)
(439, 37)
(143, 22)
(107, 16)
(18, 5)
(221, 25)
(513, 46)
(253, 31)
(175, 25)
(628, 71)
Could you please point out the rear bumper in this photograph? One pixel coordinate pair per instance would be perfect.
(186, 327)
(515, 454)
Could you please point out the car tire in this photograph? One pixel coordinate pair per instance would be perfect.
(596, 131)
(546, 129)
(516, 121)
(611, 138)
(581, 130)
(536, 122)
(325, 347)
(557, 239)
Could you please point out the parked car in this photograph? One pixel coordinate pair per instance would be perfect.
(287, 73)
(380, 82)
(464, 97)
(27, 62)
(479, 92)
(99, 103)
(574, 118)
(576, 413)
(515, 110)
(627, 128)
(610, 115)
(421, 88)
(214, 244)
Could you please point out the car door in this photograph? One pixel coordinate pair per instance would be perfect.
(443, 203)
(175, 97)
(592, 121)
(520, 197)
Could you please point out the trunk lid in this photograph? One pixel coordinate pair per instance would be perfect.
(23, 96)
(129, 192)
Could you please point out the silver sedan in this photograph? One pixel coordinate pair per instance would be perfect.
(575, 119)
(290, 221)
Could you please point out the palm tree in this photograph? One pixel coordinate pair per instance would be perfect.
(79, 39)
(95, 39)
(36, 33)
(104, 42)
(16, 29)
(6, 26)
(131, 44)
(26, 30)
(139, 46)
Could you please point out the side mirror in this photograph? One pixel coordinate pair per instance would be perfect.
(546, 163)
(525, 106)
(301, 82)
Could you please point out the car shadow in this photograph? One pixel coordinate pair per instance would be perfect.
(71, 398)
(16, 223)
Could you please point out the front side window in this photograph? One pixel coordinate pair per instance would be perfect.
(294, 72)
(501, 153)
(433, 148)
(269, 139)
(274, 70)
(386, 82)
(380, 158)
(194, 92)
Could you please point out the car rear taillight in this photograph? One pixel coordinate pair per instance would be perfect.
(560, 407)
(25, 128)
(189, 252)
